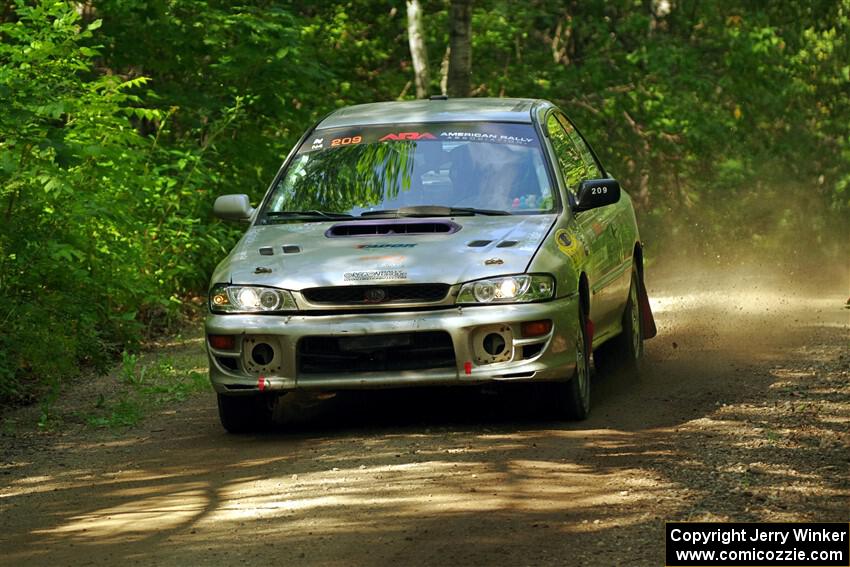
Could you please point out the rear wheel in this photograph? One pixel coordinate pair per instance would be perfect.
(574, 395)
(625, 351)
(244, 414)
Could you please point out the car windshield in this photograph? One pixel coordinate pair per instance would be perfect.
(414, 169)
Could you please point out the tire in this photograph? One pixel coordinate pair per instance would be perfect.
(624, 353)
(573, 396)
(245, 414)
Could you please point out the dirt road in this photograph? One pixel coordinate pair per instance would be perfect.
(742, 414)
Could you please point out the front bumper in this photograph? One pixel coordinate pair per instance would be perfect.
(547, 357)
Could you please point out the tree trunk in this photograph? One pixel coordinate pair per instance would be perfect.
(418, 52)
(444, 72)
(460, 42)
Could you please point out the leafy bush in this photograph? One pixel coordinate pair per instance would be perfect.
(100, 224)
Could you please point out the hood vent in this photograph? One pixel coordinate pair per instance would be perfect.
(391, 228)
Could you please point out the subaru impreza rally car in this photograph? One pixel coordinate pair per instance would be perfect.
(443, 241)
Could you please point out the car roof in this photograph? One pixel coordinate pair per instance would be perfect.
(435, 110)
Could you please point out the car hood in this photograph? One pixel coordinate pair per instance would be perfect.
(472, 248)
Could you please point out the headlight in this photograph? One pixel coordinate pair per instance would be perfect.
(226, 298)
(509, 289)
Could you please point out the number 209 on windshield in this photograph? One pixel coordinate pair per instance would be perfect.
(346, 141)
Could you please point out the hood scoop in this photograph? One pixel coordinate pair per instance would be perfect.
(391, 228)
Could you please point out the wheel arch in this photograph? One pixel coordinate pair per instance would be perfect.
(584, 294)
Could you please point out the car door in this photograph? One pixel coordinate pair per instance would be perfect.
(613, 286)
(596, 228)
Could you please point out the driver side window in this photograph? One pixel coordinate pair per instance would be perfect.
(570, 161)
(593, 170)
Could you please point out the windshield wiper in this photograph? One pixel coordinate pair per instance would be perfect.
(476, 211)
(433, 211)
(313, 214)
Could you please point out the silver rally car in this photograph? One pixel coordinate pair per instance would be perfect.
(443, 241)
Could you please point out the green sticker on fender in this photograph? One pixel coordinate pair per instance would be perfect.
(569, 244)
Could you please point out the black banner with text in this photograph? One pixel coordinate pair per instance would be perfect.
(693, 544)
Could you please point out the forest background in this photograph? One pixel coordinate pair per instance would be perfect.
(122, 120)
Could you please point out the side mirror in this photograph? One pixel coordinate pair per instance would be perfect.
(233, 207)
(597, 193)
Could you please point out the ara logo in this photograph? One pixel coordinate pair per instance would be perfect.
(371, 246)
(408, 136)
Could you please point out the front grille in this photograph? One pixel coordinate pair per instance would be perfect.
(376, 294)
(375, 353)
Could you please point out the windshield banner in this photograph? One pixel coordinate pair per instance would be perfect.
(490, 132)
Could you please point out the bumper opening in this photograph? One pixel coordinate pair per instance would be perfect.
(530, 351)
(228, 363)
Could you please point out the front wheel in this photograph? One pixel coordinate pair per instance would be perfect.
(244, 414)
(625, 351)
(574, 395)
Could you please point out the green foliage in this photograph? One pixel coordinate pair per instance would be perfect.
(67, 182)
(144, 385)
(104, 227)
(727, 124)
